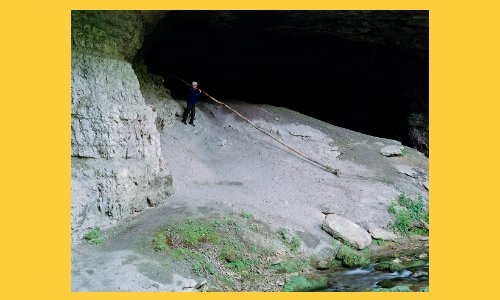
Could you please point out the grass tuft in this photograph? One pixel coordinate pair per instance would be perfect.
(293, 242)
(95, 236)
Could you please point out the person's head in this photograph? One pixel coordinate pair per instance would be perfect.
(194, 84)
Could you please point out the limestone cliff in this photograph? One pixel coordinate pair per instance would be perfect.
(117, 166)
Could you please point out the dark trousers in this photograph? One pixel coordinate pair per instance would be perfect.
(189, 109)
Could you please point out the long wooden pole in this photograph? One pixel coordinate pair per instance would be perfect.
(327, 168)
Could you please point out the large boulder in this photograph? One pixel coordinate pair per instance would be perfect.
(347, 231)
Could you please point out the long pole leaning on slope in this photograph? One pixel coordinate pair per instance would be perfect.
(327, 168)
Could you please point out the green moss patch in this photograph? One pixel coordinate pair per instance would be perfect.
(352, 258)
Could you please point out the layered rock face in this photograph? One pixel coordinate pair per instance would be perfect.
(117, 166)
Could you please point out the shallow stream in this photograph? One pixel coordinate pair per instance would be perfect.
(368, 279)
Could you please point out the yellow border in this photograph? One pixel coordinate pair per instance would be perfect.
(35, 148)
(249, 5)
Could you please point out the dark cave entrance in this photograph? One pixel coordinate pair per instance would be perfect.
(362, 70)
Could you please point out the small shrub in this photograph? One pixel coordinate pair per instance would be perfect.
(407, 213)
(95, 236)
(160, 241)
(231, 252)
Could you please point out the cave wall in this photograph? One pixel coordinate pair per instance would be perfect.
(117, 165)
(157, 96)
(371, 67)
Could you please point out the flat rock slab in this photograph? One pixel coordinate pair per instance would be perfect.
(382, 234)
(407, 170)
(347, 231)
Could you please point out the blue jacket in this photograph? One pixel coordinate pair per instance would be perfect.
(193, 95)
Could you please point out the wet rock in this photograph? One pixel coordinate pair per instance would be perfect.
(392, 266)
(419, 274)
(322, 264)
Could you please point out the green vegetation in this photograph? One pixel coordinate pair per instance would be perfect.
(244, 264)
(408, 214)
(389, 266)
(231, 252)
(181, 242)
(414, 264)
(349, 257)
(221, 243)
(160, 241)
(246, 215)
(95, 236)
(293, 242)
(380, 242)
(194, 232)
(352, 258)
(301, 283)
(198, 261)
(290, 266)
(222, 248)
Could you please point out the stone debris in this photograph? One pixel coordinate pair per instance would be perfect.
(392, 150)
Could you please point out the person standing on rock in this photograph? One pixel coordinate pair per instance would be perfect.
(194, 93)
